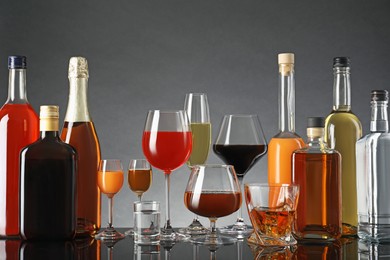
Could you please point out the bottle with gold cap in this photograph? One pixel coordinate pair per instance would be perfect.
(48, 171)
(79, 131)
(283, 144)
(317, 171)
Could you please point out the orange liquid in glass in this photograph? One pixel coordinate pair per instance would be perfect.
(279, 159)
(110, 182)
(19, 127)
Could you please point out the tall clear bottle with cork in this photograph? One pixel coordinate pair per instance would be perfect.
(342, 130)
(79, 131)
(284, 143)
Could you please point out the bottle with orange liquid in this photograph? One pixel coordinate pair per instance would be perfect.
(79, 131)
(19, 127)
(283, 144)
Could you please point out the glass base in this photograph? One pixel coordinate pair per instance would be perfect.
(109, 234)
(129, 232)
(265, 241)
(194, 229)
(213, 242)
(170, 235)
(239, 229)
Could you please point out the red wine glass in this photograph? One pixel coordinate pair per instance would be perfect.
(167, 145)
(241, 143)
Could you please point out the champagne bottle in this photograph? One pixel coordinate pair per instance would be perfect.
(342, 130)
(19, 127)
(79, 131)
(48, 171)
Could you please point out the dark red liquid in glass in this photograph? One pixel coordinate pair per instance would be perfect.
(167, 150)
(242, 157)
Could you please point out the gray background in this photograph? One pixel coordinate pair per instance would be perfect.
(148, 54)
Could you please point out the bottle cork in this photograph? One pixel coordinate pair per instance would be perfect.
(286, 58)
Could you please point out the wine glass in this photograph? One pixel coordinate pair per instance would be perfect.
(110, 181)
(241, 143)
(139, 179)
(213, 192)
(139, 176)
(197, 109)
(167, 144)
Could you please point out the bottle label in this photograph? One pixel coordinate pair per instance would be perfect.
(77, 110)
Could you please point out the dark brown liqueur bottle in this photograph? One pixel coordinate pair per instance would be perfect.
(48, 184)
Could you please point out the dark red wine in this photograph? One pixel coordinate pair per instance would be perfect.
(241, 156)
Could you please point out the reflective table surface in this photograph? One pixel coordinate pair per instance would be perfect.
(125, 249)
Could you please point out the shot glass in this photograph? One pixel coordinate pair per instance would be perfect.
(271, 209)
(146, 222)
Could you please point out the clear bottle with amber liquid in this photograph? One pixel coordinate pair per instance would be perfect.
(283, 144)
(19, 127)
(342, 130)
(79, 131)
(317, 171)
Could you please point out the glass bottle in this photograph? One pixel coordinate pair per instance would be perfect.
(79, 131)
(19, 126)
(372, 170)
(342, 130)
(317, 171)
(48, 170)
(282, 145)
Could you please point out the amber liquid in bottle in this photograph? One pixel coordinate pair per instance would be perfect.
(79, 131)
(317, 171)
(19, 127)
(283, 144)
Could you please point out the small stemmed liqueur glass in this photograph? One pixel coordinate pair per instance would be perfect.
(197, 108)
(213, 191)
(241, 143)
(110, 181)
(139, 178)
(167, 145)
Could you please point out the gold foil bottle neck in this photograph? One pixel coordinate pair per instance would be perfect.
(49, 116)
(78, 67)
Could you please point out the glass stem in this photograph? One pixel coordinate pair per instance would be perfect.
(110, 212)
(239, 212)
(213, 233)
(213, 255)
(110, 253)
(167, 226)
(139, 197)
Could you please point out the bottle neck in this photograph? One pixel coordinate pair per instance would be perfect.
(379, 121)
(48, 127)
(315, 137)
(17, 93)
(77, 110)
(341, 89)
(286, 98)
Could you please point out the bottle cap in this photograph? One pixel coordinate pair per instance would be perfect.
(78, 67)
(315, 122)
(341, 62)
(379, 95)
(49, 112)
(286, 58)
(17, 62)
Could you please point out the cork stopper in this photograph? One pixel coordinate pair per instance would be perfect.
(78, 67)
(315, 126)
(286, 58)
(49, 117)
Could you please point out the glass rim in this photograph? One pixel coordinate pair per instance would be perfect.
(241, 115)
(166, 111)
(215, 165)
(259, 184)
(196, 93)
(147, 202)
